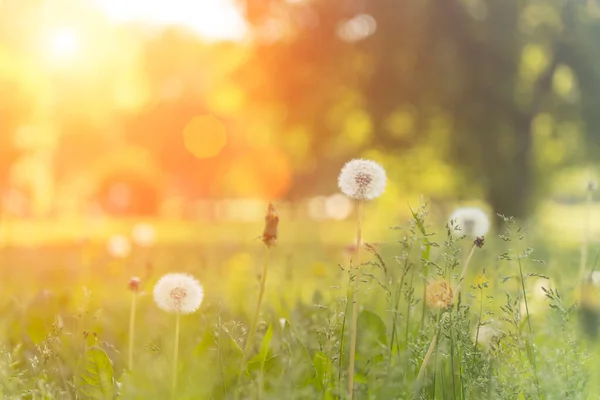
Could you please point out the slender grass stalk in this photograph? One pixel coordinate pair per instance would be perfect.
(220, 356)
(342, 344)
(533, 361)
(433, 343)
(131, 330)
(480, 315)
(175, 357)
(463, 273)
(261, 293)
(353, 327)
(412, 279)
(426, 359)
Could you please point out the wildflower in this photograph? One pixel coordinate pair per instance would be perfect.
(178, 293)
(439, 294)
(143, 235)
(362, 179)
(271, 225)
(119, 246)
(470, 221)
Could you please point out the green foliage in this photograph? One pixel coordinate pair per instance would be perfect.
(488, 346)
(95, 378)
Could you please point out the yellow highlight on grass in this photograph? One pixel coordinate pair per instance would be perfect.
(205, 136)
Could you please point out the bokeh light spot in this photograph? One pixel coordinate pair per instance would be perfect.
(205, 136)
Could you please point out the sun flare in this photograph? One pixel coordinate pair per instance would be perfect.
(63, 43)
(211, 19)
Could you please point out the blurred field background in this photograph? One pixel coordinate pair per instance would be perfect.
(185, 118)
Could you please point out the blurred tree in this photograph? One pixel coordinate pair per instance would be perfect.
(488, 68)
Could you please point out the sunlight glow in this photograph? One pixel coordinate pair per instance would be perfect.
(211, 19)
(63, 43)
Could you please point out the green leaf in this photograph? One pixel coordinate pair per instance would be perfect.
(323, 369)
(372, 330)
(96, 377)
(264, 347)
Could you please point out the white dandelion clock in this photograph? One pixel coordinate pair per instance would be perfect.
(178, 293)
(362, 179)
(469, 221)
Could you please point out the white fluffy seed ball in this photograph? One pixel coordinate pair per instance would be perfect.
(362, 179)
(470, 221)
(178, 293)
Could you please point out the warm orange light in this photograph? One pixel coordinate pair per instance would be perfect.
(205, 136)
(259, 172)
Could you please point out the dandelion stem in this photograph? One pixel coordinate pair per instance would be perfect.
(175, 357)
(353, 327)
(426, 360)
(263, 280)
(463, 274)
(131, 329)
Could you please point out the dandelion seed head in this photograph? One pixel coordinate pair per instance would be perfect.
(469, 221)
(362, 179)
(439, 294)
(178, 293)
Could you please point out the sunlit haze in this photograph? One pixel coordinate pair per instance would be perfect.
(211, 19)
(63, 43)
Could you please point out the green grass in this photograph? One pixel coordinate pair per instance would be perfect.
(65, 311)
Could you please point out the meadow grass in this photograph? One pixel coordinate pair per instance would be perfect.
(513, 330)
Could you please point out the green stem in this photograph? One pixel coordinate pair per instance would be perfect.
(131, 330)
(533, 361)
(175, 357)
(342, 341)
(480, 316)
(463, 273)
(353, 327)
(261, 293)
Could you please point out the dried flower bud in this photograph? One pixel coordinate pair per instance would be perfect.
(271, 223)
(479, 241)
(134, 284)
